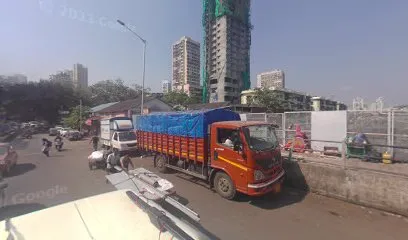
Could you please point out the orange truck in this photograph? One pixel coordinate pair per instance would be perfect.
(215, 146)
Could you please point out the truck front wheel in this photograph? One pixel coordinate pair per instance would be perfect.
(224, 186)
(161, 163)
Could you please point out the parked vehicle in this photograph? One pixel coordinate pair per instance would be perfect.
(53, 132)
(65, 131)
(74, 136)
(27, 134)
(118, 134)
(8, 158)
(231, 155)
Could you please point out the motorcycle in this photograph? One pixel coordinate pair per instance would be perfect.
(58, 145)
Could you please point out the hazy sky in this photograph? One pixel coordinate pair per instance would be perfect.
(337, 48)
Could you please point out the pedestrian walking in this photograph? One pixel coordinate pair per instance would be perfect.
(94, 140)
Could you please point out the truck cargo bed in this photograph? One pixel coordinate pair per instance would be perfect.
(182, 147)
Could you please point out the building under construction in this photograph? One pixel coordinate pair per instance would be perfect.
(226, 49)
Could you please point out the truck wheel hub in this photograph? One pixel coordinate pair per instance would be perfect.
(224, 185)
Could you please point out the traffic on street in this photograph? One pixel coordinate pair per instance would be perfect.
(37, 182)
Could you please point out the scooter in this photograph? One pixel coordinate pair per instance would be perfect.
(58, 145)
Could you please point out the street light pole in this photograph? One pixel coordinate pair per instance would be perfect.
(80, 115)
(144, 61)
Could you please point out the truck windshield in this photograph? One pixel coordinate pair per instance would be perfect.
(127, 136)
(261, 137)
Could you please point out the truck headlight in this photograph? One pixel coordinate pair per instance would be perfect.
(258, 175)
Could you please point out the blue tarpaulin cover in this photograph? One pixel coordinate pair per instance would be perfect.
(186, 124)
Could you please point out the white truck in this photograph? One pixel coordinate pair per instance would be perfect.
(118, 133)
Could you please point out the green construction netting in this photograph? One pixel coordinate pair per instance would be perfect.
(215, 9)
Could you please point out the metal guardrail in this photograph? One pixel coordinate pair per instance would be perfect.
(344, 146)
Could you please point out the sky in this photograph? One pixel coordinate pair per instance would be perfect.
(339, 48)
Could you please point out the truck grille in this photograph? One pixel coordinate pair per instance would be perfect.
(268, 163)
(132, 145)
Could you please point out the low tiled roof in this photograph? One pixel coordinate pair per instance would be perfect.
(129, 104)
(102, 106)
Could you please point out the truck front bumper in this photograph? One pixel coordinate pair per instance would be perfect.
(272, 185)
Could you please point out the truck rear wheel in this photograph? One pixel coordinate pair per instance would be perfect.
(224, 186)
(161, 163)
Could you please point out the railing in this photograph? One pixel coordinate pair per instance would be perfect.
(386, 131)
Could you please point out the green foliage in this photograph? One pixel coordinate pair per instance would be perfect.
(74, 119)
(270, 99)
(39, 100)
(113, 91)
(180, 100)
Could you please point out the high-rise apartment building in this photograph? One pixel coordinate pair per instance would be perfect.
(64, 77)
(166, 86)
(186, 66)
(226, 51)
(272, 79)
(80, 76)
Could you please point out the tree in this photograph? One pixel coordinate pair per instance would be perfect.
(74, 119)
(180, 100)
(37, 100)
(113, 91)
(270, 99)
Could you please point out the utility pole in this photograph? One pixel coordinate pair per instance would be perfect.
(80, 115)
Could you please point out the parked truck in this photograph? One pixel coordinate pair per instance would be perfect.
(215, 146)
(118, 133)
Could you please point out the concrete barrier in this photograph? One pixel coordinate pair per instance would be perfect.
(382, 189)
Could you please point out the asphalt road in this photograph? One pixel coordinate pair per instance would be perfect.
(38, 182)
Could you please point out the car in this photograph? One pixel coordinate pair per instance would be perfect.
(53, 132)
(74, 136)
(8, 158)
(64, 131)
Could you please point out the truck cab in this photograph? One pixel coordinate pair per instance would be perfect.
(245, 157)
(117, 133)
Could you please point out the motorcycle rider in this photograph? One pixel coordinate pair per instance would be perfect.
(58, 139)
(46, 146)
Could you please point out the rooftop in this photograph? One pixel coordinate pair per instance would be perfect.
(130, 104)
(102, 106)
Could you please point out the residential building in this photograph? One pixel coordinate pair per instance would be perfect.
(166, 86)
(62, 77)
(186, 66)
(14, 79)
(296, 101)
(80, 76)
(226, 51)
(271, 79)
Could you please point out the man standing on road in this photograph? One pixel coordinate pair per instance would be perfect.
(95, 141)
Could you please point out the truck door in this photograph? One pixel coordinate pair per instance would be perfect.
(115, 140)
(225, 157)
